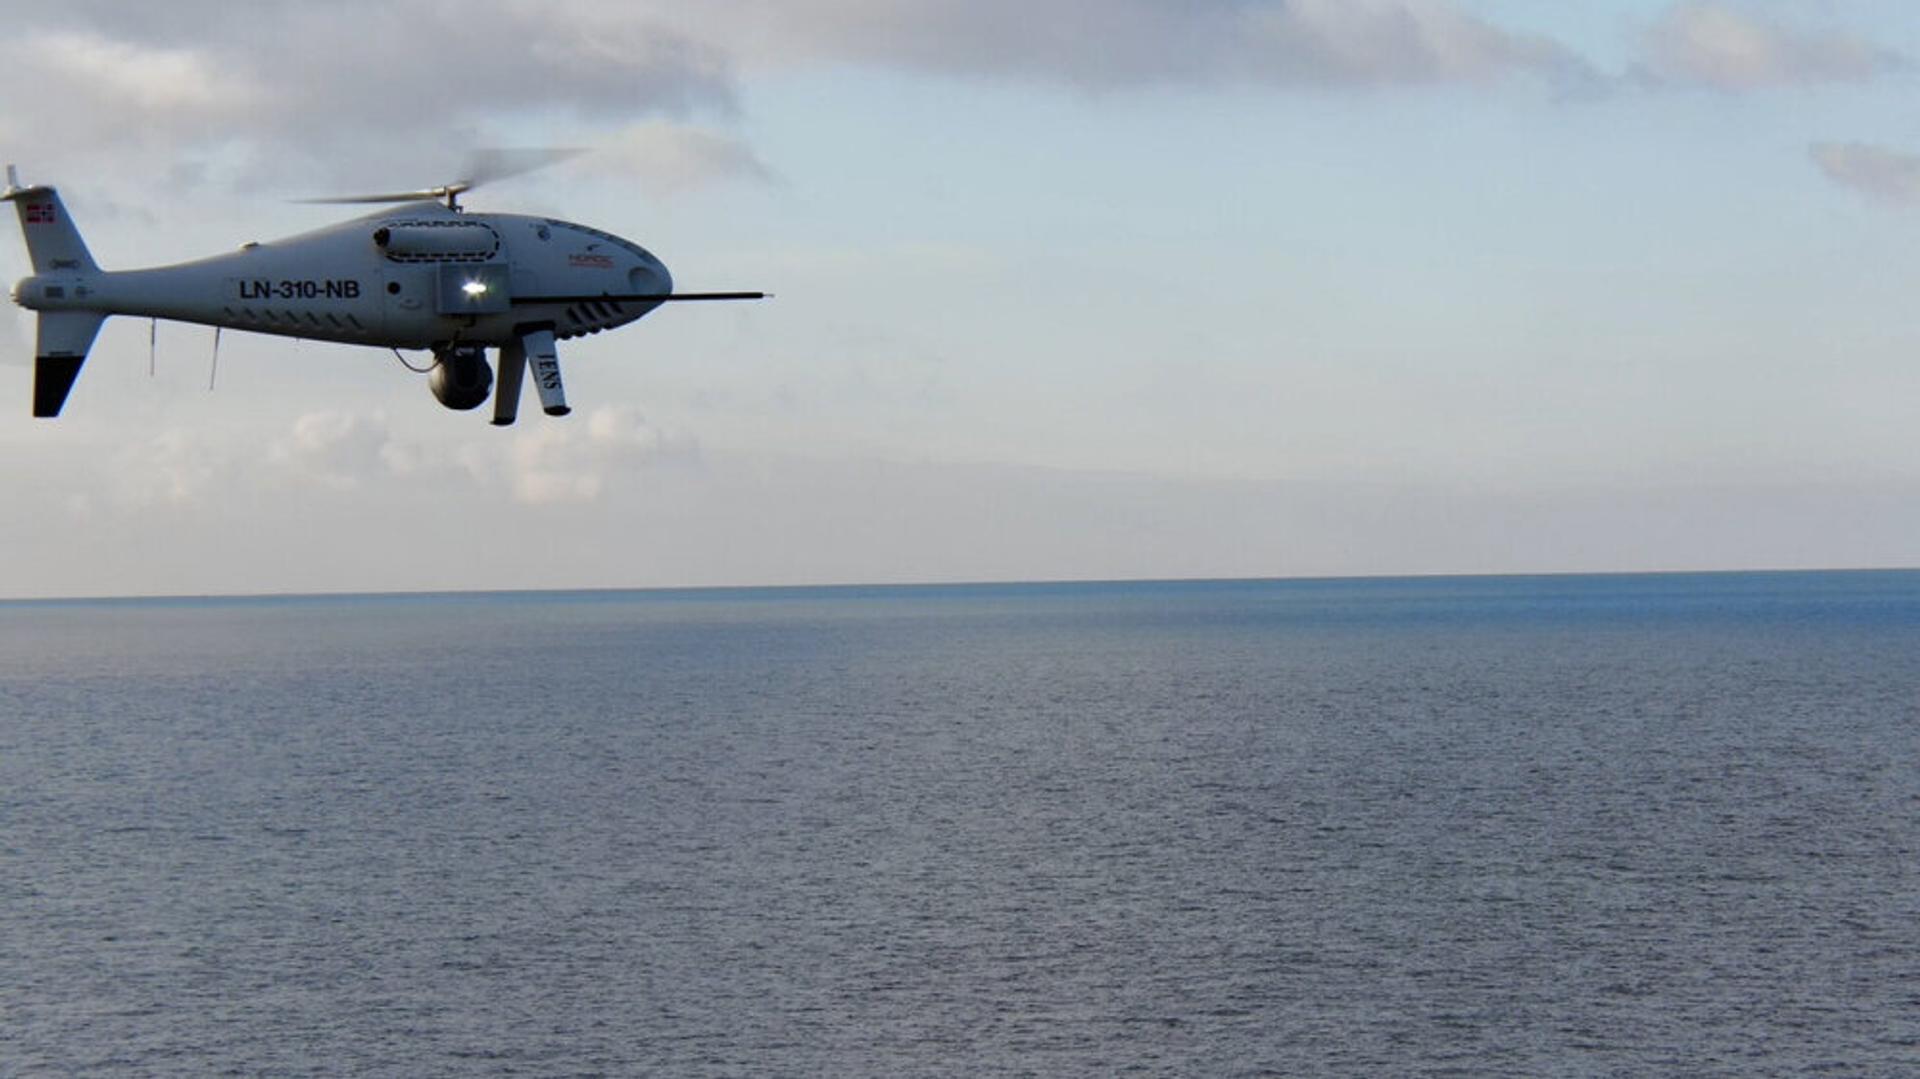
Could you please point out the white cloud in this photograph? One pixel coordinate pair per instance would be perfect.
(174, 468)
(145, 79)
(1116, 43)
(338, 449)
(668, 158)
(548, 465)
(542, 463)
(575, 462)
(303, 99)
(286, 93)
(1374, 42)
(1874, 171)
(1708, 44)
(621, 430)
(289, 92)
(341, 454)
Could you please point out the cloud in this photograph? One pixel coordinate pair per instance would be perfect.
(1104, 44)
(669, 158)
(175, 467)
(544, 463)
(304, 99)
(1342, 42)
(326, 450)
(1708, 44)
(342, 457)
(1874, 171)
(794, 520)
(339, 450)
(338, 454)
(280, 91)
(136, 77)
(562, 463)
(547, 468)
(283, 91)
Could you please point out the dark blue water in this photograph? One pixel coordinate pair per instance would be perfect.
(1521, 826)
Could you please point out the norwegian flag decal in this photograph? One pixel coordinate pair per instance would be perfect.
(39, 213)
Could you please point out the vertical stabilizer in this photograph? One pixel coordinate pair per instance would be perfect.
(65, 337)
(52, 242)
(55, 247)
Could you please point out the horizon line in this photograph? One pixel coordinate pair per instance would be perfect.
(828, 586)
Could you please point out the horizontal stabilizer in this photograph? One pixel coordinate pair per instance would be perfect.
(65, 337)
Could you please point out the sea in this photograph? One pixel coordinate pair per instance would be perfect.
(1493, 826)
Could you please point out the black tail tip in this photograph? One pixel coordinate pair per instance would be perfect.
(52, 380)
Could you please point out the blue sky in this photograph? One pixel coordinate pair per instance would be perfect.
(1064, 289)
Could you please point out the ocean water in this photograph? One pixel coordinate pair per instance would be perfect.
(1583, 826)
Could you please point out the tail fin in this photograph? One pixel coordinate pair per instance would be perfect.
(65, 337)
(55, 247)
(52, 241)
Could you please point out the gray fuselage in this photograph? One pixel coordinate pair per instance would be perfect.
(415, 276)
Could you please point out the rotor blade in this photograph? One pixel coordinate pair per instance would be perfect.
(398, 196)
(499, 163)
(484, 167)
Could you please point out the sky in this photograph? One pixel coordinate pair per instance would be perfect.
(1064, 289)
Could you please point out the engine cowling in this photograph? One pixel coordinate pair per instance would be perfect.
(461, 379)
(437, 241)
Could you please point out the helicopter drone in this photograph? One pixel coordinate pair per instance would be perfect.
(424, 274)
